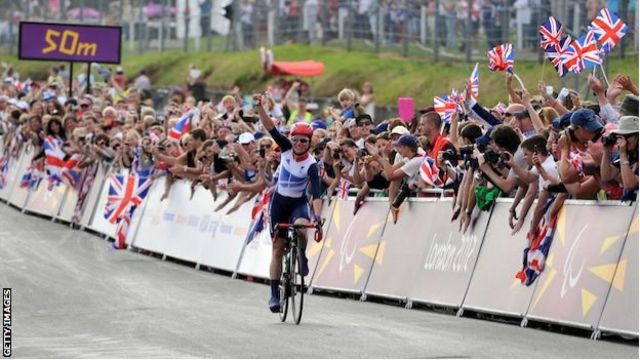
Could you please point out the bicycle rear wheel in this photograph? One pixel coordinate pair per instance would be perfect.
(297, 285)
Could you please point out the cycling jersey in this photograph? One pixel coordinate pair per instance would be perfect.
(289, 200)
(295, 174)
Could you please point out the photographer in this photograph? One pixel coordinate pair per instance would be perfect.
(577, 163)
(504, 140)
(622, 165)
(343, 161)
(407, 146)
(371, 172)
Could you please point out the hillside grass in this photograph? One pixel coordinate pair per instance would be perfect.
(392, 76)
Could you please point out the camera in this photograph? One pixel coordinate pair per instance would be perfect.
(263, 151)
(402, 194)
(337, 154)
(491, 156)
(609, 140)
(362, 153)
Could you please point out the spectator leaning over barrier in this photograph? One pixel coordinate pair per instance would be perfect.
(577, 162)
(622, 165)
(409, 174)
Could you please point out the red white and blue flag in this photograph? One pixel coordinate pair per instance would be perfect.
(125, 192)
(32, 176)
(260, 213)
(70, 171)
(54, 160)
(429, 172)
(608, 29)
(536, 254)
(5, 161)
(122, 229)
(550, 33)
(475, 83)
(556, 55)
(582, 53)
(501, 58)
(343, 188)
(182, 126)
(445, 107)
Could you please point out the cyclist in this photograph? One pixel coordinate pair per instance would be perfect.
(289, 204)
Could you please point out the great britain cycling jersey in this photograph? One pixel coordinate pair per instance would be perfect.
(289, 201)
(294, 175)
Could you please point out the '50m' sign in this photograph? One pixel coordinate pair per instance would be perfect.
(67, 42)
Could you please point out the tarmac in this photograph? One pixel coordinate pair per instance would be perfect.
(74, 296)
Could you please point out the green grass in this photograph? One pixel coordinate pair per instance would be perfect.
(391, 75)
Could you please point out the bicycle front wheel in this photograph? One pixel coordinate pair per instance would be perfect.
(297, 285)
(284, 299)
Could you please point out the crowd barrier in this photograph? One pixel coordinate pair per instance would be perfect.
(590, 280)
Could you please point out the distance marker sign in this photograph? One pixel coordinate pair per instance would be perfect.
(66, 42)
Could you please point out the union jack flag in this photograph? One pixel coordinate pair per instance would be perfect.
(429, 172)
(70, 172)
(608, 29)
(54, 160)
(124, 192)
(535, 255)
(260, 213)
(5, 160)
(556, 54)
(582, 53)
(501, 58)
(122, 229)
(475, 83)
(445, 107)
(343, 188)
(550, 33)
(182, 126)
(32, 176)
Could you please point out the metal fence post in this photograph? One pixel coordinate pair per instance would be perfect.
(379, 29)
(350, 26)
(467, 41)
(405, 33)
(187, 14)
(436, 33)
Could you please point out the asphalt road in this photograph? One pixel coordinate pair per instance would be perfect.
(75, 297)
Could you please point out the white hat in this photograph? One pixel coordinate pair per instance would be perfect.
(246, 138)
(400, 130)
(628, 125)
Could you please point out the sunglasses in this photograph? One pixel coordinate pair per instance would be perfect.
(364, 123)
(300, 140)
(508, 114)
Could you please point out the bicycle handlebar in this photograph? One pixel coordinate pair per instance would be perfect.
(295, 226)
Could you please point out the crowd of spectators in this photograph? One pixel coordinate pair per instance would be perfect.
(547, 145)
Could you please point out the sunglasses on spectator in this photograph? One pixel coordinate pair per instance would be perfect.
(300, 140)
(364, 123)
(508, 114)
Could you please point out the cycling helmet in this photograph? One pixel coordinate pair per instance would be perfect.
(301, 128)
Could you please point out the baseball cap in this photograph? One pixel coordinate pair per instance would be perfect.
(318, 124)
(363, 117)
(409, 141)
(246, 138)
(587, 119)
(400, 130)
(628, 125)
(258, 135)
(562, 122)
(484, 139)
(383, 126)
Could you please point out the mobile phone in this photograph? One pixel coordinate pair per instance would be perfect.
(563, 94)
(549, 90)
(262, 151)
